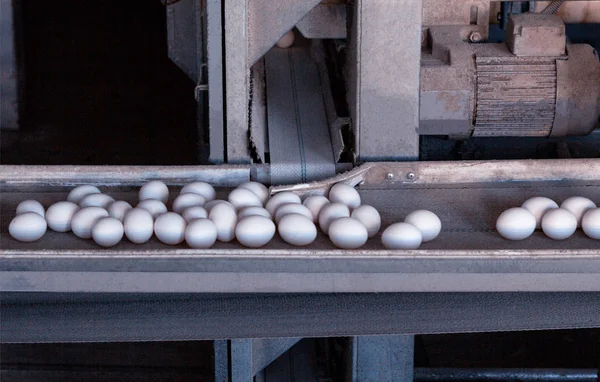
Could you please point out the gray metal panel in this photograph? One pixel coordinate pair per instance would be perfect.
(9, 92)
(184, 36)
(237, 74)
(43, 317)
(383, 358)
(324, 21)
(385, 103)
(216, 112)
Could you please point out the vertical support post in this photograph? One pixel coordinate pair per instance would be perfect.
(382, 358)
(214, 53)
(385, 46)
(9, 85)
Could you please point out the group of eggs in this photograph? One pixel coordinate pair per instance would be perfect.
(558, 223)
(249, 214)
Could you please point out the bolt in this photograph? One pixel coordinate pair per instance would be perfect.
(410, 175)
(389, 176)
(475, 37)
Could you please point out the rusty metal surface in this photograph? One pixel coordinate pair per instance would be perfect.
(468, 255)
(536, 34)
(515, 96)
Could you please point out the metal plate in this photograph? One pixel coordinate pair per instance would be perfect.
(468, 255)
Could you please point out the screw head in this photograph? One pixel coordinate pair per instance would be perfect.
(389, 176)
(410, 175)
(475, 37)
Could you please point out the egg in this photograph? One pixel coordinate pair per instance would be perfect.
(119, 209)
(401, 236)
(154, 206)
(538, 206)
(251, 211)
(345, 194)
(315, 203)
(427, 222)
(258, 189)
(154, 189)
(241, 198)
(225, 218)
(31, 206)
(96, 200)
(297, 229)
(591, 223)
(280, 199)
(331, 212)
(59, 215)
(193, 213)
(201, 233)
(516, 223)
(200, 188)
(348, 233)
(254, 231)
(170, 228)
(286, 41)
(107, 232)
(578, 206)
(138, 225)
(559, 224)
(292, 208)
(184, 201)
(210, 204)
(27, 227)
(369, 217)
(82, 191)
(84, 220)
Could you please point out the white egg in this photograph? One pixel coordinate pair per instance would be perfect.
(184, 201)
(297, 229)
(154, 206)
(252, 211)
(31, 206)
(281, 199)
(401, 236)
(292, 208)
(201, 233)
(254, 231)
(242, 198)
(369, 217)
(559, 224)
(119, 209)
(345, 194)
(578, 205)
(591, 223)
(258, 189)
(59, 215)
(84, 220)
(427, 222)
(170, 228)
(27, 227)
(225, 218)
(138, 225)
(210, 204)
(287, 40)
(107, 232)
(96, 200)
(193, 213)
(538, 206)
(154, 189)
(331, 212)
(81, 192)
(516, 223)
(315, 203)
(348, 233)
(200, 188)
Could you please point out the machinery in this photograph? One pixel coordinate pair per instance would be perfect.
(364, 79)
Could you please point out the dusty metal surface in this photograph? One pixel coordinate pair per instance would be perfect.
(536, 34)
(467, 256)
(324, 21)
